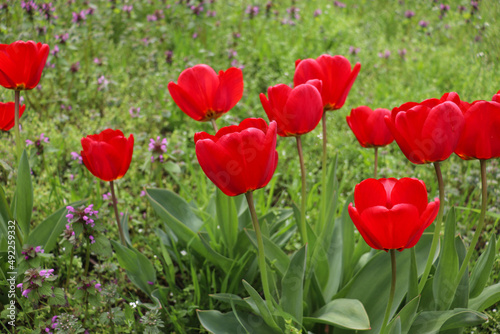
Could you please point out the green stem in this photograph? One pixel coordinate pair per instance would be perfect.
(437, 229)
(375, 163)
(391, 295)
(17, 134)
(87, 259)
(214, 124)
(70, 267)
(117, 215)
(323, 175)
(260, 249)
(480, 225)
(303, 229)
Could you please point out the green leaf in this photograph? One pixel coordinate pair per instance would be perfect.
(447, 269)
(273, 253)
(264, 311)
(227, 219)
(482, 269)
(24, 195)
(292, 285)
(395, 326)
(433, 322)
(101, 246)
(487, 298)
(227, 323)
(124, 223)
(179, 217)
(407, 315)
(57, 297)
(343, 313)
(48, 232)
(413, 277)
(139, 269)
(229, 298)
(5, 217)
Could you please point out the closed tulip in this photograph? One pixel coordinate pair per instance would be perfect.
(203, 95)
(7, 115)
(239, 158)
(296, 111)
(107, 155)
(336, 74)
(480, 138)
(496, 97)
(391, 213)
(21, 64)
(369, 126)
(428, 131)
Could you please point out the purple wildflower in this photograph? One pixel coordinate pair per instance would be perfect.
(409, 14)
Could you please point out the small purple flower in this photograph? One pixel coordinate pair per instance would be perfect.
(29, 7)
(339, 4)
(444, 8)
(252, 11)
(353, 50)
(317, 13)
(92, 240)
(97, 61)
(134, 112)
(151, 18)
(39, 249)
(409, 14)
(402, 53)
(106, 196)
(76, 156)
(79, 18)
(386, 54)
(102, 82)
(232, 53)
(71, 177)
(423, 24)
(158, 147)
(143, 193)
(195, 35)
(29, 142)
(98, 286)
(128, 9)
(46, 273)
(62, 38)
(25, 293)
(75, 67)
(55, 51)
(150, 283)
(168, 56)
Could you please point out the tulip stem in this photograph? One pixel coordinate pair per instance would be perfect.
(260, 250)
(323, 175)
(375, 163)
(393, 289)
(437, 228)
(303, 229)
(117, 216)
(480, 225)
(16, 124)
(214, 124)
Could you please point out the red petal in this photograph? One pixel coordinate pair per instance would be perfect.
(369, 193)
(348, 86)
(307, 69)
(426, 220)
(230, 90)
(303, 110)
(356, 219)
(410, 191)
(194, 109)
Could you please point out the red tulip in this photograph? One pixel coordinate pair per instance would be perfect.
(203, 95)
(480, 138)
(296, 111)
(391, 213)
(21, 64)
(107, 155)
(335, 73)
(428, 131)
(369, 126)
(7, 115)
(239, 158)
(496, 97)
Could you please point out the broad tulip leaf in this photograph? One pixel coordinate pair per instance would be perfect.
(139, 269)
(371, 284)
(482, 269)
(487, 298)
(413, 277)
(292, 288)
(447, 269)
(227, 323)
(264, 311)
(227, 219)
(433, 322)
(230, 298)
(461, 298)
(343, 313)
(124, 223)
(274, 254)
(407, 315)
(5, 217)
(179, 217)
(24, 195)
(395, 327)
(48, 232)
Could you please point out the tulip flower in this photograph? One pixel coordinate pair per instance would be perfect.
(496, 97)
(296, 111)
(428, 131)
(239, 158)
(21, 64)
(391, 213)
(336, 74)
(370, 129)
(7, 115)
(480, 137)
(107, 155)
(205, 96)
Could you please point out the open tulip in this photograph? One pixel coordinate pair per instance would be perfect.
(203, 95)
(239, 158)
(369, 126)
(21, 64)
(7, 115)
(296, 111)
(391, 213)
(107, 155)
(335, 73)
(480, 137)
(428, 131)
